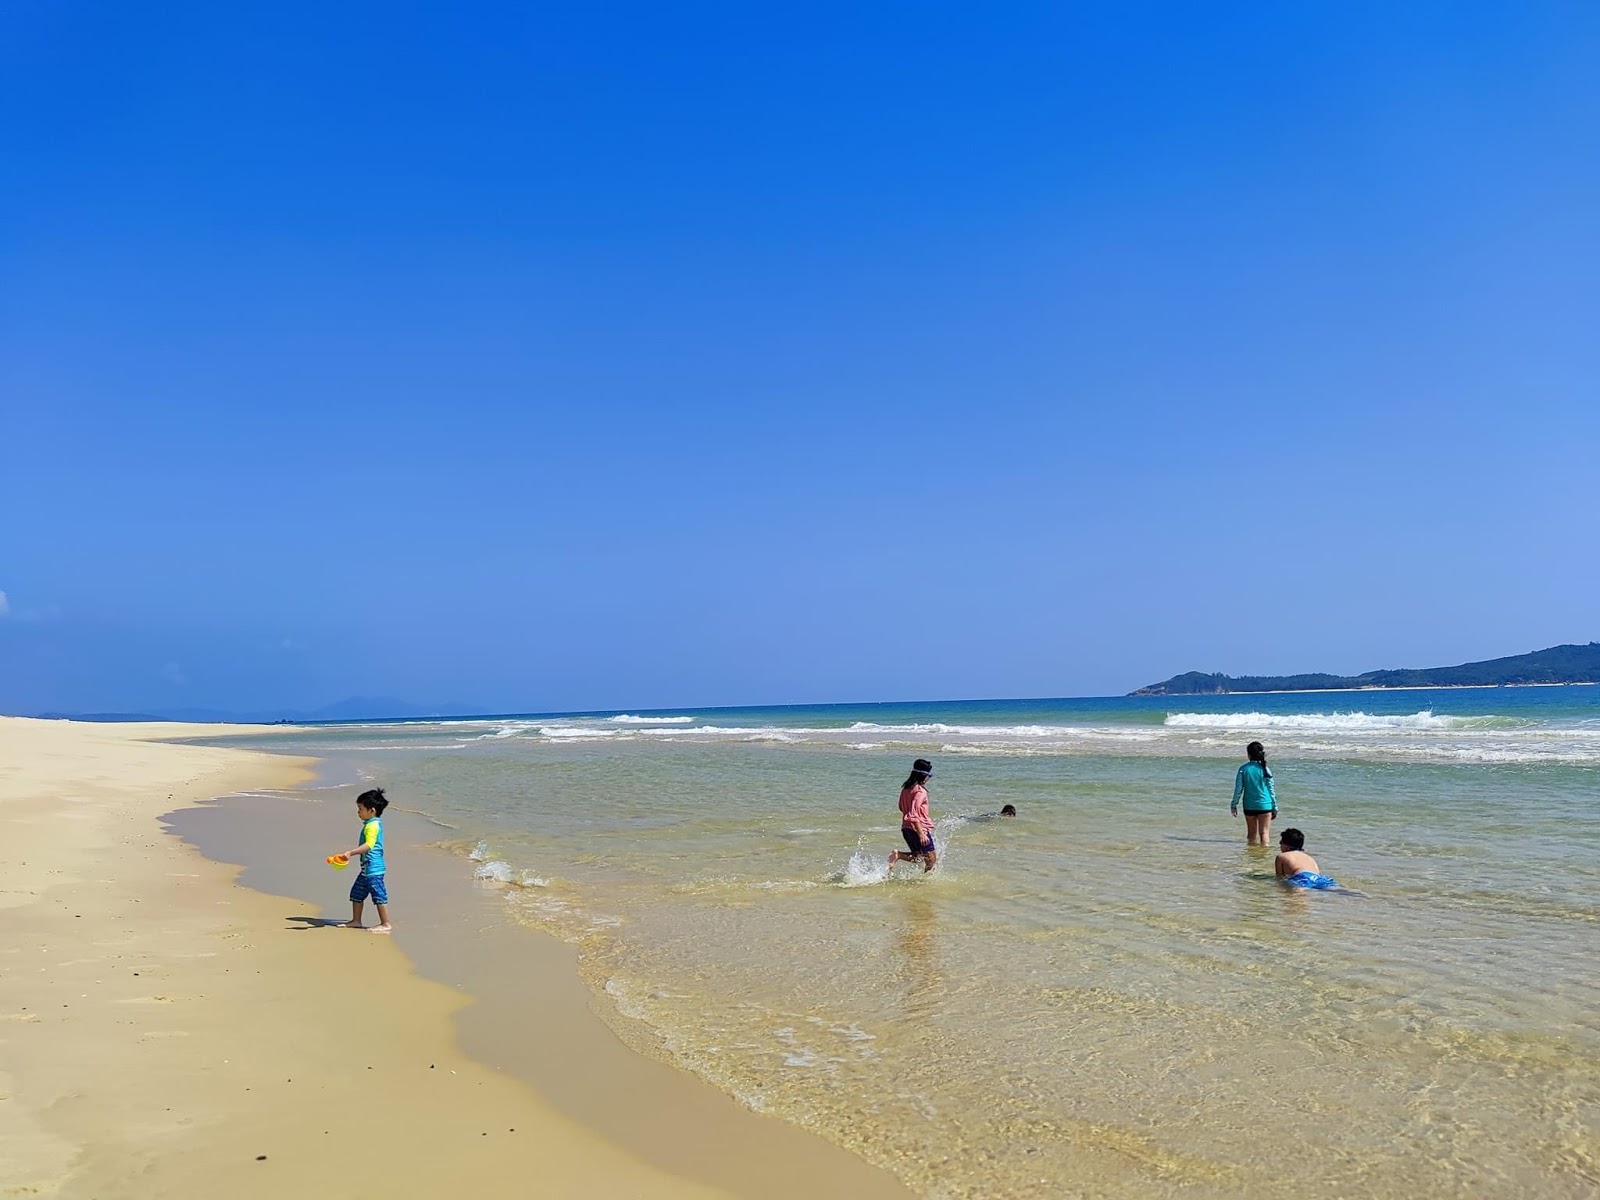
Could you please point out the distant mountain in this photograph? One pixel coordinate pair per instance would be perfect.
(356, 708)
(1558, 664)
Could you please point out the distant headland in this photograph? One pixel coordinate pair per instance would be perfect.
(1558, 664)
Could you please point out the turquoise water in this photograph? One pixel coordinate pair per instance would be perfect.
(1109, 995)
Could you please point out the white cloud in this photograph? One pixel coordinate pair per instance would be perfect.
(5, 605)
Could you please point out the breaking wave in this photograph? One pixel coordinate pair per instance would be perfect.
(1352, 722)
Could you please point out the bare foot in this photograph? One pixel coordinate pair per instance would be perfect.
(381, 929)
(352, 925)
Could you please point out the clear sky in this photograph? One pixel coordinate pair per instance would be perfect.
(629, 355)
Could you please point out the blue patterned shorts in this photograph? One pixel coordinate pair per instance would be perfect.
(369, 885)
(1310, 879)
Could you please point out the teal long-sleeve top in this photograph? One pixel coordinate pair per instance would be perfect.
(1253, 784)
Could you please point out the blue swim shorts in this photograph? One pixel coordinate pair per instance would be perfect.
(1310, 879)
(919, 842)
(369, 885)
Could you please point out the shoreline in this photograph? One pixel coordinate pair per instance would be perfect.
(528, 1012)
(162, 1036)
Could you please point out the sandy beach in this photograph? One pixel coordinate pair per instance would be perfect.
(167, 1031)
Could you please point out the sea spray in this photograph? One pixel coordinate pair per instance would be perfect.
(865, 868)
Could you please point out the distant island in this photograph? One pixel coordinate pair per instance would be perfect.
(1558, 664)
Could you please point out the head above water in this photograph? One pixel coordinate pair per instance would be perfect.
(1257, 753)
(1009, 810)
(1291, 839)
(921, 772)
(373, 801)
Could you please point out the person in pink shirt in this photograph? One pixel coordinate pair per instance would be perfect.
(915, 824)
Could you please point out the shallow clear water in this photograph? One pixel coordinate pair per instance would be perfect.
(1109, 995)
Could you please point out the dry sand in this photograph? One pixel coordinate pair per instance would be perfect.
(164, 1031)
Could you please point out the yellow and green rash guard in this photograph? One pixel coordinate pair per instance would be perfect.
(372, 839)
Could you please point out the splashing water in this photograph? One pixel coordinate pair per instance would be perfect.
(865, 868)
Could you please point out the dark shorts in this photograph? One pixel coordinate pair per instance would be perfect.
(919, 842)
(369, 885)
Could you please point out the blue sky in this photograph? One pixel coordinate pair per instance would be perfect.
(545, 357)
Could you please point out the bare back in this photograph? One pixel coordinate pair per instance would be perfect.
(1291, 862)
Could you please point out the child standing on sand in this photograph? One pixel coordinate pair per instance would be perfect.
(1253, 785)
(369, 807)
(915, 824)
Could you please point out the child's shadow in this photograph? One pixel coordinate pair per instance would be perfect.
(304, 923)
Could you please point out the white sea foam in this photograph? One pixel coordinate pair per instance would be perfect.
(798, 1055)
(505, 731)
(1413, 736)
(480, 852)
(625, 1000)
(1351, 722)
(1010, 731)
(499, 871)
(916, 735)
(875, 727)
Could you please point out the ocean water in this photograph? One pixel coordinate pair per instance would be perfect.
(1109, 995)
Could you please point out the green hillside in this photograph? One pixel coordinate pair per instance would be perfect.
(1558, 664)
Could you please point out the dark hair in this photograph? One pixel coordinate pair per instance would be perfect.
(1258, 754)
(1292, 839)
(374, 799)
(1009, 810)
(920, 770)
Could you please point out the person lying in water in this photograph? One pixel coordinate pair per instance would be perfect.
(1009, 810)
(1297, 868)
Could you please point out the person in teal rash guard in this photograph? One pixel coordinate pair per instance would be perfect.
(1253, 785)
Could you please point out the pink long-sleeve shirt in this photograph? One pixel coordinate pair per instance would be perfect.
(914, 808)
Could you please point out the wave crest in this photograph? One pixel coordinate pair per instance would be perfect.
(1349, 722)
